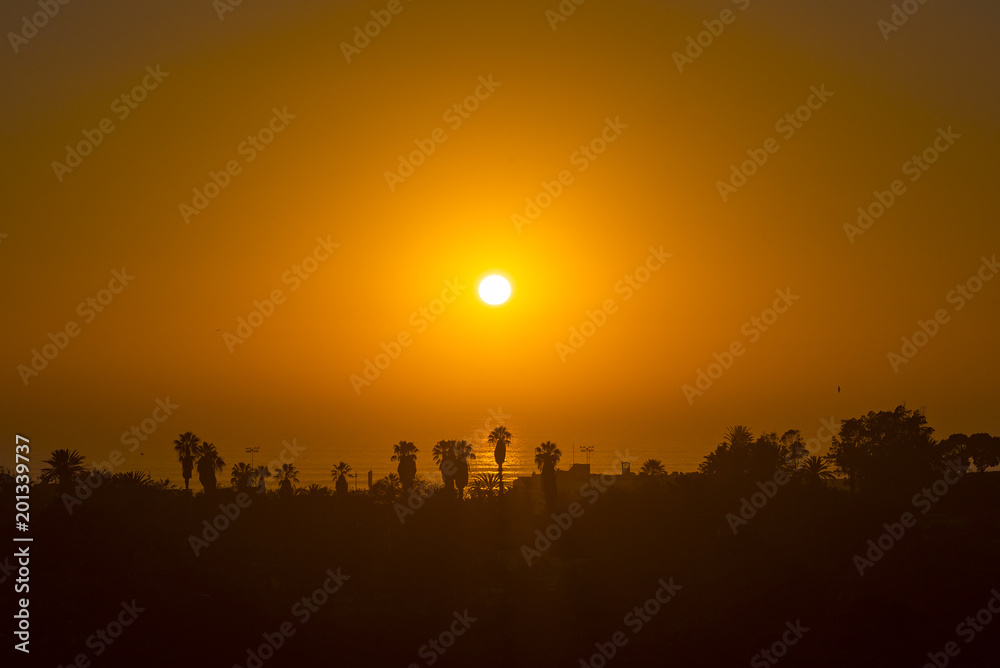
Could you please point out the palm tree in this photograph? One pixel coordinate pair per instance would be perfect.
(187, 448)
(815, 470)
(261, 473)
(500, 439)
(316, 490)
(485, 486)
(386, 489)
(444, 456)
(209, 462)
(285, 476)
(738, 437)
(63, 468)
(547, 455)
(463, 453)
(652, 467)
(339, 474)
(243, 476)
(732, 456)
(406, 453)
(132, 479)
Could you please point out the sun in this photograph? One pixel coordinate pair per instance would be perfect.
(494, 290)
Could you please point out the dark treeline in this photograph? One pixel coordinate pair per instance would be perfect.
(880, 540)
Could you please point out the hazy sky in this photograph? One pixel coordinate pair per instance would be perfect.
(640, 126)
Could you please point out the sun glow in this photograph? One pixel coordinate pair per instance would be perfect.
(494, 290)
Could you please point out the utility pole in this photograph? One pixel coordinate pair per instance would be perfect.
(250, 452)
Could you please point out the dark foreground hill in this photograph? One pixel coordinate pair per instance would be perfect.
(652, 575)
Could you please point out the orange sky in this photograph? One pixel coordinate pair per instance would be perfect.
(660, 142)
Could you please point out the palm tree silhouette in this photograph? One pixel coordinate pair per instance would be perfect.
(444, 456)
(386, 489)
(261, 473)
(209, 462)
(316, 490)
(131, 480)
(500, 439)
(63, 468)
(339, 474)
(815, 470)
(406, 453)
(243, 476)
(187, 448)
(285, 476)
(652, 467)
(732, 456)
(547, 455)
(463, 453)
(485, 486)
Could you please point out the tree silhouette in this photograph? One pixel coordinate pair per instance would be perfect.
(387, 489)
(814, 470)
(547, 455)
(131, 480)
(767, 455)
(261, 474)
(444, 456)
(888, 451)
(63, 468)
(982, 449)
(406, 454)
(209, 462)
(740, 455)
(339, 474)
(463, 453)
(243, 477)
(485, 486)
(286, 475)
(500, 439)
(731, 458)
(315, 490)
(652, 467)
(796, 447)
(186, 446)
